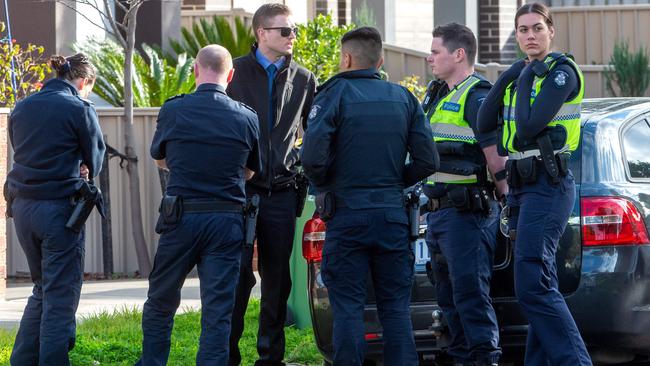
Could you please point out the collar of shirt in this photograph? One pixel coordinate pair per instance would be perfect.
(211, 87)
(371, 73)
(60, 84)
(265, 62)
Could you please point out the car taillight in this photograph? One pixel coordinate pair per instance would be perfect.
(611, 221)
(372, 336)
(313, 239)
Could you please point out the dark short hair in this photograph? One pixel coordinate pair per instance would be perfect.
(455, 36)
(536, 8)
(266, 12)
(72, 67)
(364, 44)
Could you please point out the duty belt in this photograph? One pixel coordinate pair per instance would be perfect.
(198, 205)
(519, 155)
(440, 203)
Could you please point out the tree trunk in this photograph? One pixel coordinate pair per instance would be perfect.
(144, 262)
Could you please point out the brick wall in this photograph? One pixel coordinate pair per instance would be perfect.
(3, 205)
(496, 31)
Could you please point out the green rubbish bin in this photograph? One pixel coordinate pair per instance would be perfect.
(299, 299)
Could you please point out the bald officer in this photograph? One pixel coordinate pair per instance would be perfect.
(201, 219)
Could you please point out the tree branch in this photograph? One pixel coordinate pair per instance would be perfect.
(133, 6)
(116, 29)
(103, 26)
(122, 6)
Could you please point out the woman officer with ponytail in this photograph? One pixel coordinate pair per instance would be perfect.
(57, 144)
(535, 106)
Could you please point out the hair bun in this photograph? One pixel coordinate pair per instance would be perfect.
(57, 62)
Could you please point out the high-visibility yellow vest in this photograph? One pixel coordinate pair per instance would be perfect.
(568, 117)
(448, 123)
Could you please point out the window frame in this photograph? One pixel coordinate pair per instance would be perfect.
(626, 128)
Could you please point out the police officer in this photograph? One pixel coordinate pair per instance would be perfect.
(57, 145)
(355, 147)
(539, 126)
(201, 220)
(462, 223)
(281, 91)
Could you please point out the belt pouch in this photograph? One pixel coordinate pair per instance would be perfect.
(563, 164)
(527, 170)
(459, 197)
(325, 205)
(171, 211)
(512, 176)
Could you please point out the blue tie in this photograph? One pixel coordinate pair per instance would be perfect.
(270, 70)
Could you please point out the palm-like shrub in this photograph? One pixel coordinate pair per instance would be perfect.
(153, 82)
(237, 41)
(628, 74)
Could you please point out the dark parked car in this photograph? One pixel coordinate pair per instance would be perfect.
(603, 259)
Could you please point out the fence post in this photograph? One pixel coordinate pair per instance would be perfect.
(107, 231)
(492, 71)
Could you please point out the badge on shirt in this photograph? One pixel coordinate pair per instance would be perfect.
(449, 106)
(560, 79)
(314, 111)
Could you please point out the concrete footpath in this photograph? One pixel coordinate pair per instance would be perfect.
(102, 296)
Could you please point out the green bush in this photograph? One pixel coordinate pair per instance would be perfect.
(628, 74)
(412, 83)
(153, 82)
(116, 339)
(318, 46)
(30, 68)
(237, 41)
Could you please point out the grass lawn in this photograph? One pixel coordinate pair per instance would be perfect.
(115, 339)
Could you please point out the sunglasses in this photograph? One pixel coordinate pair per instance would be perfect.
(285, 31)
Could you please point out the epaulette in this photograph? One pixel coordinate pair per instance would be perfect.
(175, 97)
(327, 85)
(86, 102)
(247, 107)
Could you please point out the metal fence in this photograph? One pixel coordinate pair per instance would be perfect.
(590, 32)
(190, 17)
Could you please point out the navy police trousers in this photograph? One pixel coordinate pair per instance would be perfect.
(55, 256)
(544, 209)
(276, 224)
(212, 242)
(374, 240)
(462, 253)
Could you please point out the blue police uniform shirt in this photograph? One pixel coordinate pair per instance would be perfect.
(207, 140)
(52, 133)
(270, 72)
(359, 132)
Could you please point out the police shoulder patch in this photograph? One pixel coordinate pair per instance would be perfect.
(560, 78)
(314, 111)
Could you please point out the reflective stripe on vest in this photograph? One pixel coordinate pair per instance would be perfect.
(568, 117)
(448, 124)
